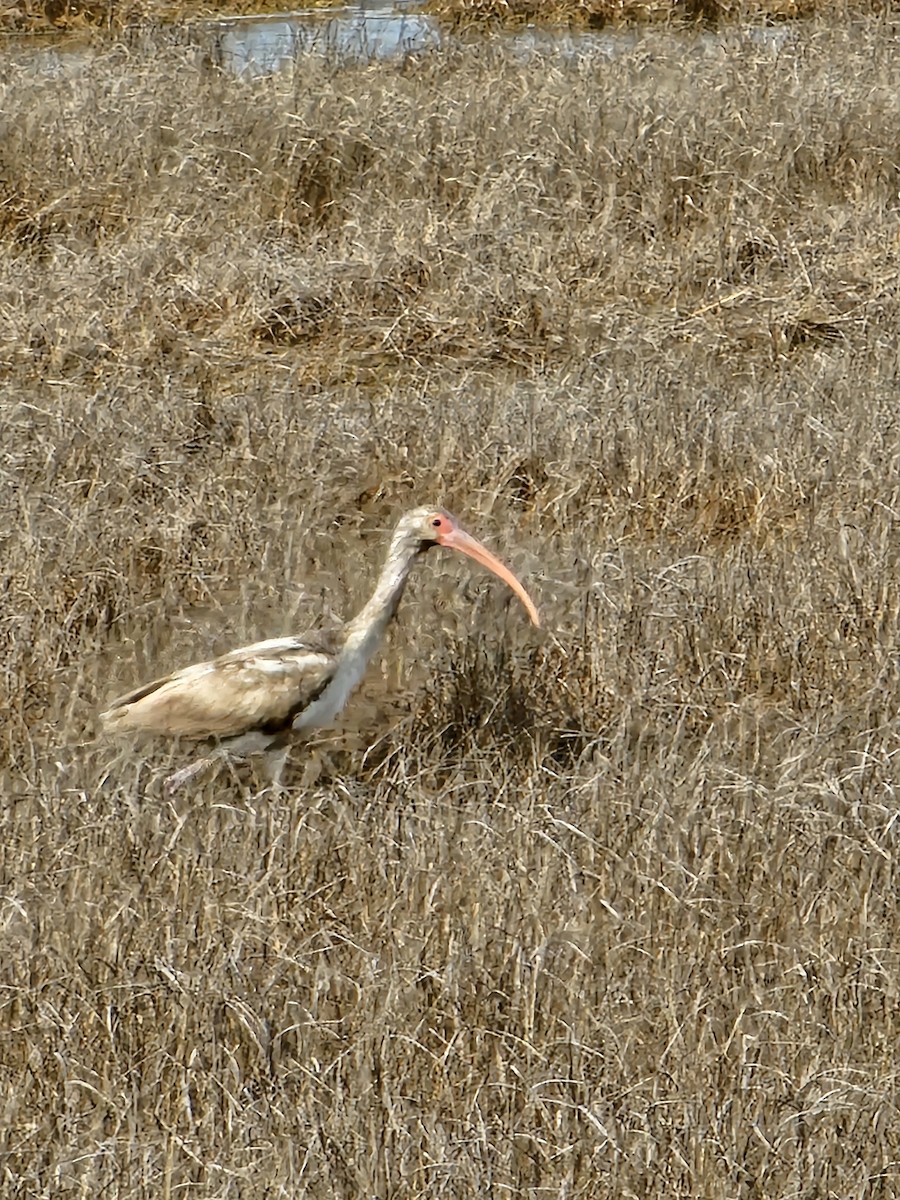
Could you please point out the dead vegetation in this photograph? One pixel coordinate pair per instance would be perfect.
(605, 911)
(602, 14)
(55, 15)
(44, 16)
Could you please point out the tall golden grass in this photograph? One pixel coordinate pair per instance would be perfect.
(608, 910)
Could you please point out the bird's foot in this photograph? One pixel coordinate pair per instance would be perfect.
(173, 782)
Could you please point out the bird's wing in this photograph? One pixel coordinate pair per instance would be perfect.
(261, 686)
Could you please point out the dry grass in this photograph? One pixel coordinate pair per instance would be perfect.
(43, 16)
(46, 15)
(605, 911)
(599, 14)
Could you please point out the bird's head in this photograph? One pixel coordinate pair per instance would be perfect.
(423, 528)
(426, 527)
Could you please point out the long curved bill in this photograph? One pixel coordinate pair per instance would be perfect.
(458, 539)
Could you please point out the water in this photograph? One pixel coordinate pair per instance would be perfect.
(373, 29)
(382, 29)
(370, 30)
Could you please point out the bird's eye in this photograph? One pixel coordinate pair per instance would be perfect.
(437, 522)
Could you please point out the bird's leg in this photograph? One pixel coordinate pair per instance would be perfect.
(174, 781)
(276, 760)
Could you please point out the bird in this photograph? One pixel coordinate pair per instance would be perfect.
(260, 698)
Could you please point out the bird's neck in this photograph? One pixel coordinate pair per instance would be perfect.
(361, 638)
(363, 634)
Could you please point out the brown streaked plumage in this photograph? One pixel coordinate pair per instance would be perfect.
(259, 697)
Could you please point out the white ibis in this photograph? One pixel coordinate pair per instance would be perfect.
(256, 698)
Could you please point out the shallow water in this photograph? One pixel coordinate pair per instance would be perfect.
(380, 29)
(373, 29)
(254, 46)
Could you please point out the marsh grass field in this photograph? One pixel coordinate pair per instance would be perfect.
(607, 909)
